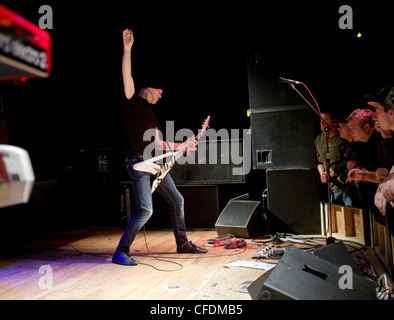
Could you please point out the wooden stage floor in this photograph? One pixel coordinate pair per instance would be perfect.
(80, 262)
(76, 265)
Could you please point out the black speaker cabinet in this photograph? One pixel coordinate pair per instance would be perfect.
(212, 163)
(240, 218)
(293, 204)
(283, 138)
(265, 90)
(201, 205)
(201, 208)
(301, 275)
(338, 254)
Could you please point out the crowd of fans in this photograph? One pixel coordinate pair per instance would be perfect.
(360, 156)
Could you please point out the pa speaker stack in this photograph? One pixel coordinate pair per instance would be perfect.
(283, 133)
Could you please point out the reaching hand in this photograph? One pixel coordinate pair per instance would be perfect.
(193, 145)
(381, 174)
(356, 175)
(380, 201)
(128, 38)
(323, 177)
(388, 191)
(351, 164)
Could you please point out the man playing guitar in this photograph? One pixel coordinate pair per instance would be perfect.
(138, 118)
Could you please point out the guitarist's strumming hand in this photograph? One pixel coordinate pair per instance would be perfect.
(175, 146)
(192, 142)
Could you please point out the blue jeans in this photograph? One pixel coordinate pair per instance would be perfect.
(341, 196)
(141, 185)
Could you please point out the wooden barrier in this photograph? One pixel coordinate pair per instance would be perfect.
(346, 221)
(383, 245)
(349, 222)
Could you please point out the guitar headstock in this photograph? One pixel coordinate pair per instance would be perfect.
(205, 124)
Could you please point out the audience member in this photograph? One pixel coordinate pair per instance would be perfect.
(364, 152)
(384, 122)
(361, 124)
(383, 105)
(328, 128)
(385, 146)
(345, 162)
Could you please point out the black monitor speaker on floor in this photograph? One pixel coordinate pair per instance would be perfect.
(300, 275)
(241, 218)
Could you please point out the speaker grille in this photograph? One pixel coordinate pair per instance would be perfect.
(293, 201)
(283, 138)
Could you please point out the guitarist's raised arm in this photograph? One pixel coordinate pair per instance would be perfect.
(128, 81)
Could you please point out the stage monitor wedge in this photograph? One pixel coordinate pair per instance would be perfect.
(338, 254)
(240, 218)
(300, 275)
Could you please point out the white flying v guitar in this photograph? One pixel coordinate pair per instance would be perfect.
(161, 170)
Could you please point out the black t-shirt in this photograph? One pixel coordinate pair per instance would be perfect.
(138, 117)
(367, 153)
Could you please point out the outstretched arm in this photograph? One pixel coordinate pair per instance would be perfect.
(358, 175)
(128, 81)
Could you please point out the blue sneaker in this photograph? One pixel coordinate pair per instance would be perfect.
(123, 258)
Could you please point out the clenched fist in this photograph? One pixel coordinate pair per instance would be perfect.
(128, 38)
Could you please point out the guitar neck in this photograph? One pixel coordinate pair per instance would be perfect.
(178, 153)
(164, 169)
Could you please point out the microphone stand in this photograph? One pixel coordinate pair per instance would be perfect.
(330, 239)
(327, 129)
